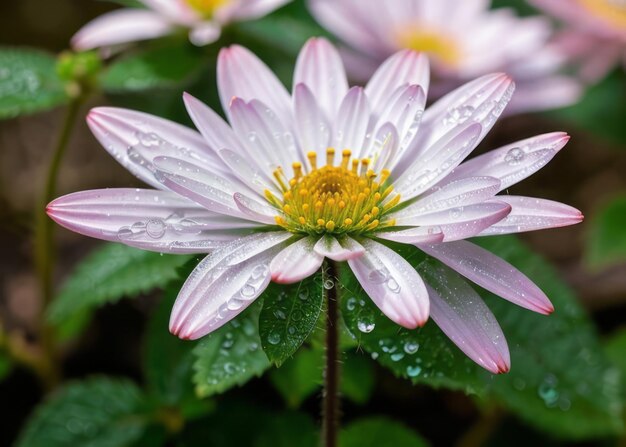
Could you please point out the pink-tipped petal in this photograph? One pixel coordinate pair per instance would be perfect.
(214, 294)
(241, 74)
(444, 156)
(531, 214)
(319, 67)
(463, 316)
(393, 284)
(213, 272)
(352, 122)
(296, 262)
(406, 67)
(492, 273)
(152, 220)
(121, 26)
(312, 126)
(338, 249)
(516, 161)
(134, 139)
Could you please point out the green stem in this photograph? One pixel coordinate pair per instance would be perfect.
(44, 241)
(481, 431)
(330, 405)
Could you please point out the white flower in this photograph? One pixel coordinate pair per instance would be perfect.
(203, 18)
(269, 196)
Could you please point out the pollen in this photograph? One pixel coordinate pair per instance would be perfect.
(439, 46)
(206, 8)
(347, 197)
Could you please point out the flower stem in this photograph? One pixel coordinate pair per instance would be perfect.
(44, 241)
(330, 406)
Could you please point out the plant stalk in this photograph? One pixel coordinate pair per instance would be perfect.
(44, 242)
(330, 405)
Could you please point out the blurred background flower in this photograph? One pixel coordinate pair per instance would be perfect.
(464, 39)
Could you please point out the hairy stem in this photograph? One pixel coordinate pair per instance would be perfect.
(44, 241)
(330, 408)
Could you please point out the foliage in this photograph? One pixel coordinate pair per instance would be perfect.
(28, 82)
(110, 273)
(607, 238)
(559, 381)
(379, 431)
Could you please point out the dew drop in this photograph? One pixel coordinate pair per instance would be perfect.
(378, 276)
(413, 371)
(155, 228)
(514, 156)
(411, 347)
(274, 338)
(365, 326)
(329, 284)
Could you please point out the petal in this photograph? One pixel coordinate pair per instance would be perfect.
(463, 316)
(319, 67)
(481, 101)
(384, 147)
(149, 219)
(213, 128)
(416, 235)
(406, 67)
(136, 138)
(121, 26)
(392, 283)
(251, 9)
(240, 74)
(256, 211)
(404, 109)
(266, 139)
(467, 191)
(216, 293)
(248, 172)
(296, 262)
(530, 214)
(312, 126)
(340, 249)
(492, 273)
(461, 222)
(352, 121)
(444, 156)
(514, 162)
(205, 33)
(213, 192)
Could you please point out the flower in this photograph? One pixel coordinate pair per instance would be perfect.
(596, 36)
(463, 38)
(328, 172)
(203, 18)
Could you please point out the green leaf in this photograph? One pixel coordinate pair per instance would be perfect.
(559, 382)
(289, 315)
(615, 348)
(288, 429)
(230, 356)
(379, 431)
(299, 377)
(423, 355)
(607, 239)
(357, 377)
(155, 68)
(601, 110)
(110, 273)
(168, 360)
(6, 365)
(98, 412)
(28, 82)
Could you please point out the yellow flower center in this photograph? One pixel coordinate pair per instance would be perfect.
(439, 46)
(206, 8)
(613, 11)
(348, 198)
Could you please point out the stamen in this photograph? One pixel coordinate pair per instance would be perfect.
(330, 156)
(345, 158)
(297, 172)
(312, 156)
